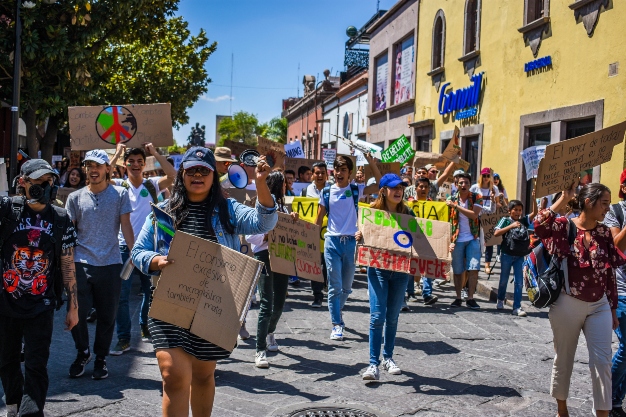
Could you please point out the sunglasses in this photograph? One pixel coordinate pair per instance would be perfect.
(486, 175)
(191, 172)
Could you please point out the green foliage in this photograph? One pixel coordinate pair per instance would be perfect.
(277, 129)
(242, 126)
(87, 52)
(176, 149)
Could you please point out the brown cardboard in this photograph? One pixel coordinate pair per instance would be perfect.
(295, 163)
(402, 262)
(564, 161)
(236, 148)
(294, 248)
(453, 150)
(488, 223)
(384, 168)
(74, 159)
(272, 150)
(421, 159)
(207, 290)
(403, 233)
(138, 124)
(151, 164)
(63, 193)
(241, 195)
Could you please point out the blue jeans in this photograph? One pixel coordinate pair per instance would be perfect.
(427, 287)
(506, 262)
(410, 287)
(339, 256)
(466, 256)
(618, 371)
(386, 290)
(123, 311)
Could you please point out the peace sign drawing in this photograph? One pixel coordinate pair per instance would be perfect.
(116, 124)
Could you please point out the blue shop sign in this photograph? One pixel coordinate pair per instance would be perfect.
(538, 63)
(463, 98)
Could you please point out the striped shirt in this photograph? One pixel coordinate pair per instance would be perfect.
(169, 336)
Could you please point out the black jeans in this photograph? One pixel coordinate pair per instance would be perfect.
(318, 287)
(273, 291)
(27, 391)
(99, 286)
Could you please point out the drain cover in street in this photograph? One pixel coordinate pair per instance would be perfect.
(331, 412)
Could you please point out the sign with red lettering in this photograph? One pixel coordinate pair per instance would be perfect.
(294, 248)
(401, 262)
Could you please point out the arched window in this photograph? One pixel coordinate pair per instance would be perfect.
(439, 38)
(472, 26)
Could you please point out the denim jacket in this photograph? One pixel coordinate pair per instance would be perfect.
(247, 221)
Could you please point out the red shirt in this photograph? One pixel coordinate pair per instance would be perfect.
(591, 271)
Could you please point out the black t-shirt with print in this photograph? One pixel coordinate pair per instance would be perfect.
(29, 264)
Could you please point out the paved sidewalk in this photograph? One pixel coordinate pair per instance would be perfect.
(455, 362)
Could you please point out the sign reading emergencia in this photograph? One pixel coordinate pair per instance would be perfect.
(461, 99)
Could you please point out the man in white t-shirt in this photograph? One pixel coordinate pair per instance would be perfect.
(340, 202)
(142, 192)
(465, 207)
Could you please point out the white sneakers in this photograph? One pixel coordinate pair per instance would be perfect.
(371, 374)
(390, 366)
(500, 305)
(519, 312)
(272, 346)
(260, 360)
(337, 333)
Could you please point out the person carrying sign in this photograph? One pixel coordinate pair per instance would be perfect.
(386, 288)
(341, 203)
(421, 192)
(198, 207)
(141, 192)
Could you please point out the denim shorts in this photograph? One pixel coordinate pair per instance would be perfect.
(466, 256)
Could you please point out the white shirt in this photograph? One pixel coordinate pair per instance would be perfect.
(140, 200)
(342, 219)
(488, 207)
(312, 191)
(465, 233)
(258, 242)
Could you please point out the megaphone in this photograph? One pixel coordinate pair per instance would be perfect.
(237, 174)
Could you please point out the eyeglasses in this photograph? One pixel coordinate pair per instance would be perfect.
(198, 170)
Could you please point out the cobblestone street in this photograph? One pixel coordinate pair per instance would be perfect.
(455, 362)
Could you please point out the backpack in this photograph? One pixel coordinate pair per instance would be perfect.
(516, 242)
(149, 186)
(11, 221)
(619, 213)
(544, 275)
(355, 197)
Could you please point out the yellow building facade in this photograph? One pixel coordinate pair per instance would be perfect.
(549, 70)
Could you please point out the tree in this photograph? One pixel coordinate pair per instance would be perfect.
(277, 129)
(242, 126)
(77, 52)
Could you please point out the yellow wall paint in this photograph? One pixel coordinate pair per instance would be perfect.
(579, 74)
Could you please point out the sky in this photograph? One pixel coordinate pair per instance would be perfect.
(267, 39)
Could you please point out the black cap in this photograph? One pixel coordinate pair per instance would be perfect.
(198, 156)
(35, 168)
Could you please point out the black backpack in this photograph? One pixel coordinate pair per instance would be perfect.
(516, 242)
(11, 220)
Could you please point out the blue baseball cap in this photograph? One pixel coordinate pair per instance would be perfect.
(390, 181)
(97, 155)
(198, 156)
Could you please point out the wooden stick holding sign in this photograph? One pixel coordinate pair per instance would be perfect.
(294, 248)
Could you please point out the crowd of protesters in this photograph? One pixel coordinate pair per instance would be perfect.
(107, 222)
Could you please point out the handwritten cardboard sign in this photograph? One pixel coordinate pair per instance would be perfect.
(103, 127)
(397, 242)
(445, 191)
(294, 150)
(295, 163)
(421, 159)
(294, 248)
(564, 161)
(433, 210)
(329, 157)
(236, 148)
(273, 151)
(453, 150)
(63, 193)
(383, 167)
(207, 290)
(152, 164)
(402, 262)
(488, 223)
(242, 196)
(307, 207)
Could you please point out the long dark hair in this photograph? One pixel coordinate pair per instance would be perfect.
(275, 182)
(500, 184)
(593, 192)
(178, 204)
(81, 181)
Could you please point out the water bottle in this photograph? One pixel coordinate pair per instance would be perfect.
(127, 269)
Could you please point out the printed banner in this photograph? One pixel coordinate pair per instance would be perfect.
(432, 210)
(564, 161)
(294, 248)
(103, 127)
(382, 67)
(531, 157)
(405, 67)
(207, 291)
(488, 223)
(399, 151)
(294, 150)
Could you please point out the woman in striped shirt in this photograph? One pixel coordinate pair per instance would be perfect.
(198, 206)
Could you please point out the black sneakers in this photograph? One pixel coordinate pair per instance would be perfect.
(457, 303)
(471, 303)
(617, 412)
(78, 367)
(100, 368)
(430, 299)
(317, 303)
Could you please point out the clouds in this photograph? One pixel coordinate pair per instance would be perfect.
(216, 99)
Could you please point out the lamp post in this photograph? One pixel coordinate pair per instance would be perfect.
(15, 106)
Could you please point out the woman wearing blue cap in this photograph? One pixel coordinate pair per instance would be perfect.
(386, 288)
(198, 207)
